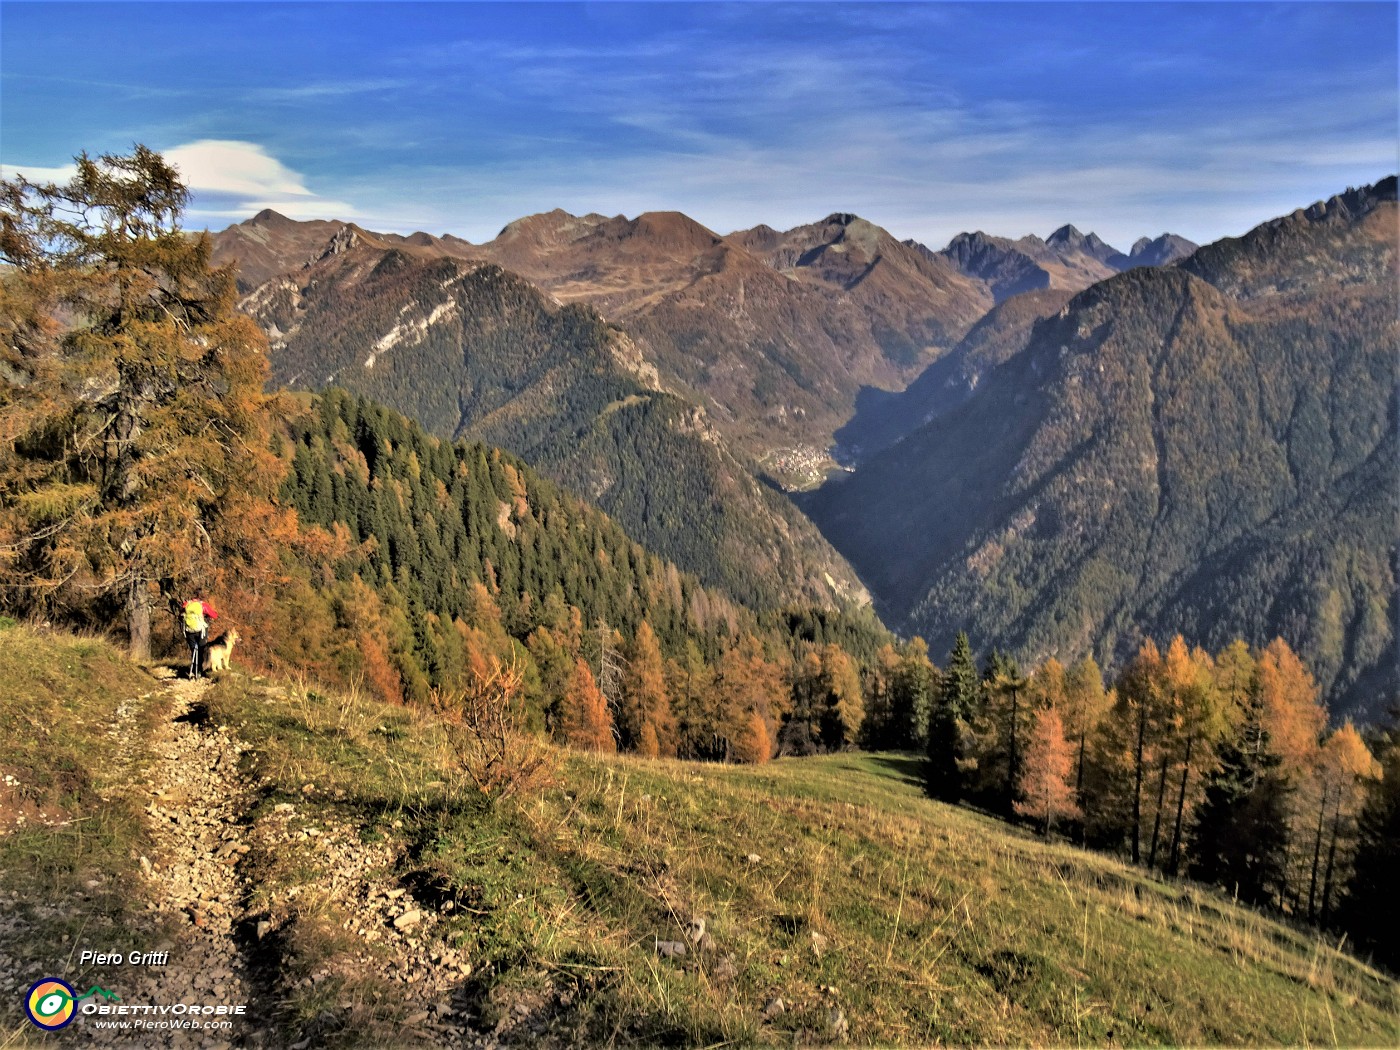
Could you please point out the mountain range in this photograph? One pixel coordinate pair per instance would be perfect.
(473, 351)
(772, 334)
(1057, 445)
(1067, 259)
(1207, 448)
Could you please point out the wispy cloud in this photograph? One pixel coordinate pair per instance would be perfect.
(38, 173)
(233, 179)
(927, 118)
(326, 89)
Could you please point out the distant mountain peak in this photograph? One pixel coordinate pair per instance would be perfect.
(533, 224)
(1159, 251)
(1066, 235)
(1069, 239)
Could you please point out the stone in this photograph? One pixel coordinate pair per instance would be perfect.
(670, 949)
(773, 1008)
(836, 1025)
(407, 919)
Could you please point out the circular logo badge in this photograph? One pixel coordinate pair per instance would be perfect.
(51, 1003)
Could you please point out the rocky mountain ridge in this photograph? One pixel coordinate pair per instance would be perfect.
(1067, 259)
(473, 351)
(1206, 448)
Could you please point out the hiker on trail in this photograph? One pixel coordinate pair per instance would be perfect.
(196, 614)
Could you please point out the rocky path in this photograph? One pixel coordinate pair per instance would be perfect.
(196, 801)
(237, 886)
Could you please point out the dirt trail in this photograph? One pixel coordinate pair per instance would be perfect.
(196, 801)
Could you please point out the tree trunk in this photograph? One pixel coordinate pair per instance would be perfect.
(1317, 855)
(1079, 788)
(1331, 860)
(1174, 862)
(1157, 817)
(1011, 762)
(1137, 785)
(138, 619)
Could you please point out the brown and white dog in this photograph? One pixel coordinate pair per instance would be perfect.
(220, 652)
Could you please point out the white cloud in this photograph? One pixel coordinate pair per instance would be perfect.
(243, 178)
(38, 173)
(242, 168)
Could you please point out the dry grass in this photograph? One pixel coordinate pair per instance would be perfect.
(869, 909)
(74, 718)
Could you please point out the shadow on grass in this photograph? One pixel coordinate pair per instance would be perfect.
(906, 768)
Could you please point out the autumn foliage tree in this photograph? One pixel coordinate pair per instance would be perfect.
(647, 723)
(1368, 910)
(132, 456)
(1337, 790)
(1046, 781)
(586, 722)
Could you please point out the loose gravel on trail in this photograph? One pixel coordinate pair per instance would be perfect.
(197, 798)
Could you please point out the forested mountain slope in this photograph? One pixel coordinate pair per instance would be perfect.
(883, 417)
(774, 334)
(473, 351)
(1208, 448)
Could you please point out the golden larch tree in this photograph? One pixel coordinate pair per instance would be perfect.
(1045, 783)
(586, 722)
(647, 723)
(133, 461)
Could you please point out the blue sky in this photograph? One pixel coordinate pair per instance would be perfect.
(929, 119)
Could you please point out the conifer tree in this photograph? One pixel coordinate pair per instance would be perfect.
(844, 706)
(1368, 911)
(801, 732)
(645, 713)
(882, 726)
(915, 685)
(1140, 707)
(1045, 781)
(586, 722)
(755, 743)
(691, 684)
(1240, 838)
(1086, 704)
(957, 701)
(132, 456)
(1337, 791)
(1205, 719)
(1006, 712)
(748, 684)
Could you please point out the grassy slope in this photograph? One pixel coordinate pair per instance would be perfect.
(73, 716)
(931, 923)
